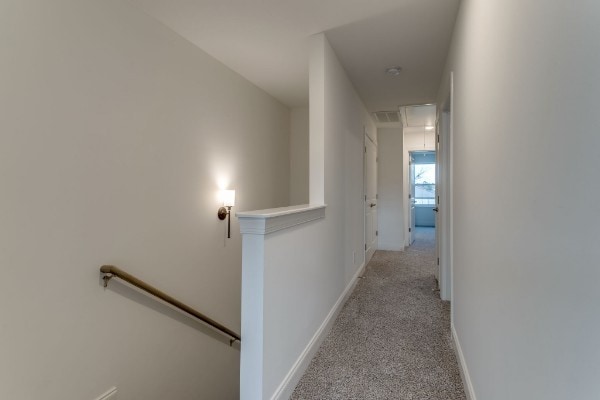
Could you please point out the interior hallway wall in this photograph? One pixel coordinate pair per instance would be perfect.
(116, 135)
(525, 248)
(299, 132)
(332, 247)
(390, 189)
(338, 123)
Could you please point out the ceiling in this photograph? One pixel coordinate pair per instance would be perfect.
(418, 116)
(266, 41)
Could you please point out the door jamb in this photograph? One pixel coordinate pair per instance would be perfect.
(366, 137)
(446, 199)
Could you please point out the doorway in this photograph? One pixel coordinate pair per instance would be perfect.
(422, 179)
(418, 133)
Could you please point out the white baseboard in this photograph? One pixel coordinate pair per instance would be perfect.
(389, 246)
(464, 371)
(287, 386)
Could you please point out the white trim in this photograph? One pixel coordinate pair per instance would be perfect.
(366, 137)
(450, 199)
(445, 120)
(464, 371)
(263, 222)
(372, 139)
(364, 195)
(111, 394)
(287, 386)
(390, 246)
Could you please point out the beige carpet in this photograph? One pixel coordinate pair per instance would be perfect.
(392, 338)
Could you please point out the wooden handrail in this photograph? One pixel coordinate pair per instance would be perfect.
(111, 271)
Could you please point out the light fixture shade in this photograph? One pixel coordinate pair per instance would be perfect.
(229, 198)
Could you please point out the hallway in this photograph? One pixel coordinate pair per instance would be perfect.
(392, 338)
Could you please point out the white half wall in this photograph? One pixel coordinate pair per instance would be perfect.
(116, 136)
(526, 212)
(391, 194)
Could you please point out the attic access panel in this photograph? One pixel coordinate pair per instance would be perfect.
(418, 115)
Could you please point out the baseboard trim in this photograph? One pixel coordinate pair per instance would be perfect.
(287, 386)
(389, 246)
(464, 371)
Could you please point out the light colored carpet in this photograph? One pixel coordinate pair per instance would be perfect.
(392, 337)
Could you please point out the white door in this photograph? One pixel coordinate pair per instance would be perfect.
(411, 199)
(370, 198)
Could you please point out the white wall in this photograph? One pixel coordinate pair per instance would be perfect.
(116, 134)
(418, 139)
(415, 139)
(390, 185)
(338, 120)
(307, 270)
(299, 130)
(525, 249)
(346, 120)
(424, 215)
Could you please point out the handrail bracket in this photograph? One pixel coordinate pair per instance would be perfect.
(106, 278)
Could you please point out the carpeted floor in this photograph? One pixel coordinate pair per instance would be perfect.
(392, 338)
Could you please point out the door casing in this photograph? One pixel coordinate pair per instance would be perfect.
(370, 197)
(445, 122)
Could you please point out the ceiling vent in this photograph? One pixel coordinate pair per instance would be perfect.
(387, 116)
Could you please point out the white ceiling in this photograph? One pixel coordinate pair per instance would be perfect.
(266, 41)
(416, 36)
(418, 116)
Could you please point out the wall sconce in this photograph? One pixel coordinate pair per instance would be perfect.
(228, 197)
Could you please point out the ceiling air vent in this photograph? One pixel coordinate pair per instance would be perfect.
(387, 116)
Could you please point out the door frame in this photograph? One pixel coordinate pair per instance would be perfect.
(411, 201)
(439, 186)
(406, 187)
(445, 130)
(367, 137)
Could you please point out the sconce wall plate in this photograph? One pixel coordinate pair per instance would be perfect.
(222, 213)
(228, 197)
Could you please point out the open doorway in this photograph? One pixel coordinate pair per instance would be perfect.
(422, 195)
(418, 146)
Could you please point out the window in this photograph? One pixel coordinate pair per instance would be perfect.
(424, 184)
